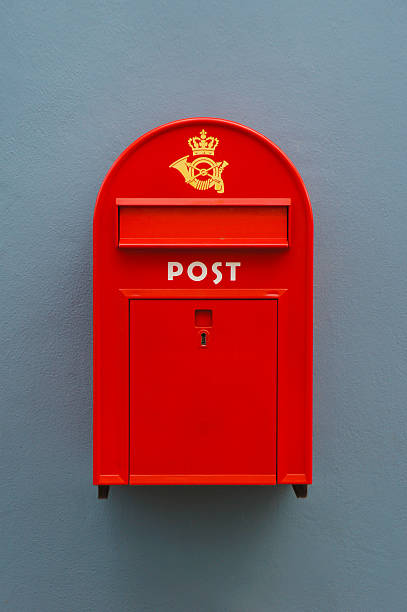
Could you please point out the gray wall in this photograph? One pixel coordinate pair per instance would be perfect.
(327, 82)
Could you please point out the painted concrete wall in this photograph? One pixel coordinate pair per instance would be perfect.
(326, 81)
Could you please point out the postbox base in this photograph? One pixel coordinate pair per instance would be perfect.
(301, 490)
(103, 491)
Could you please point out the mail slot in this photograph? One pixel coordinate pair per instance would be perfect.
(202, 312)
(211, 223)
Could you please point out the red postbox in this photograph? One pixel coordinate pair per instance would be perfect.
(202, 312)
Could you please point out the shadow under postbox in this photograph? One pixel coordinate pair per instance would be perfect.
(202, 312)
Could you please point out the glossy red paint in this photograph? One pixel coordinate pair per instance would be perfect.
(223, 396)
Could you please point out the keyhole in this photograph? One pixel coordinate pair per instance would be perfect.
(203, 338)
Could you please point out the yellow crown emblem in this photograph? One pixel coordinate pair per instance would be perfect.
(205, 145)
(202, 172)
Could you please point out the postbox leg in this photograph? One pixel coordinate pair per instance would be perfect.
(301, 490)
(103, 491)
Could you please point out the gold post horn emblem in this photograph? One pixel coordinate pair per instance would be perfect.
(203, 172)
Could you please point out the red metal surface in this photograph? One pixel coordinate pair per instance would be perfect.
(267, 303)
(209, 408)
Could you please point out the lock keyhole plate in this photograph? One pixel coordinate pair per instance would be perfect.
(204, 336)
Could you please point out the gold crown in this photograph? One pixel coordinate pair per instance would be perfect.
(205, 145)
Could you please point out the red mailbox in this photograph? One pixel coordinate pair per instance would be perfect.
(202, 312)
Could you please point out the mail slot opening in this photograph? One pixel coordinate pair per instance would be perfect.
(149, 222)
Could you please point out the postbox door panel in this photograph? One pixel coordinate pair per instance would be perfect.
(203, 388)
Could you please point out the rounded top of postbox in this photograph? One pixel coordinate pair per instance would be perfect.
(203, 158)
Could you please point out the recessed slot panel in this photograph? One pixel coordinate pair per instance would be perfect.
(203, 318)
